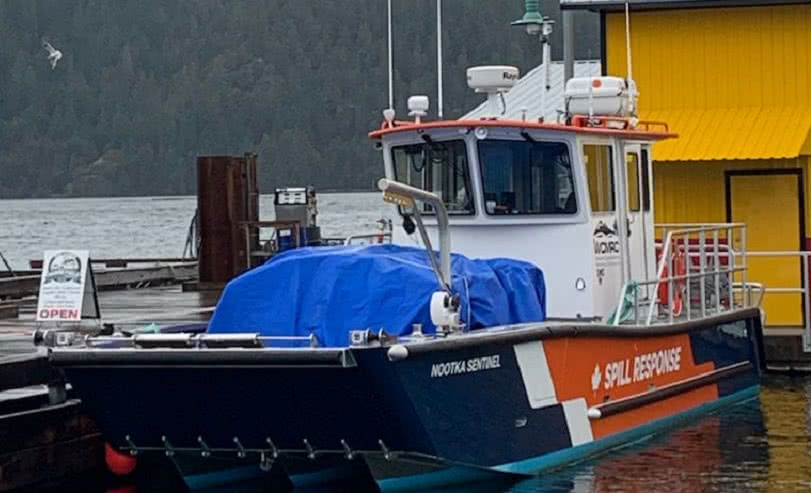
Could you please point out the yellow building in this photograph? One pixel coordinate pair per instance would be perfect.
(733, 79)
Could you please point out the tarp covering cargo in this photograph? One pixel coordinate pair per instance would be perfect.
(332, 290)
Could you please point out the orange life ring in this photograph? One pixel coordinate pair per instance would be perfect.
(680, 269)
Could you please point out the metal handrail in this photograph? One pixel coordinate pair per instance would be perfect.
(403, 194)
(804, 289)
(369, 236)
(706, 262)
(198, 341)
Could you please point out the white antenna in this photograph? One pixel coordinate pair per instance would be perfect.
(391, 66)
(546, 59)
(439, 56)
(631, 83)
(591, 99)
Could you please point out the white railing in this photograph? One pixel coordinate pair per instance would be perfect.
(802, 289)
(701, 272)
(368, 239)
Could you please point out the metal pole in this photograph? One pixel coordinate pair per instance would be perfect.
(568, 45)
(702, 242)
(670, 284)
(439, 56)
(631, 90)
(717, 278)
(397, 188)
(546, 58)
(732, 268)
(391, 61)
(806, 304)
(747, 297)
(688, 263)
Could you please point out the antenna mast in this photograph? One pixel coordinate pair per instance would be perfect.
(538, 25)
(439, 56)
(391, 66)
(631, 83)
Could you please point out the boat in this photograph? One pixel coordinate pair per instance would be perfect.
(638, 327)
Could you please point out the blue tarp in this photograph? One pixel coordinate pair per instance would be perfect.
(332, 290)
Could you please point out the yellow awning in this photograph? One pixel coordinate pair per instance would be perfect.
(733, 133)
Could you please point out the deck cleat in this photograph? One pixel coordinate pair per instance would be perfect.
(240, 449)
(206, 452)
(274, 452)
(310, 450)
(168, 449)
(347, 451)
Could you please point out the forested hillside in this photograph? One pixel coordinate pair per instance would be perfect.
(145, 86)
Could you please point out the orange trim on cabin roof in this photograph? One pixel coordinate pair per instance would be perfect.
(400, 126)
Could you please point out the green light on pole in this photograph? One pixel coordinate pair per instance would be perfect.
(532, 19)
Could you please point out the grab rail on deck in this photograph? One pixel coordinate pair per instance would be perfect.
(371, 238)
(717, 269)
(196, 341)
(804, 289)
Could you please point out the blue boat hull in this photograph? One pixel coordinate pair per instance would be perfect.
(426, 413)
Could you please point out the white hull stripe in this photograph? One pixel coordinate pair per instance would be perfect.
(540, 389)
(535, 373)
(578, 421)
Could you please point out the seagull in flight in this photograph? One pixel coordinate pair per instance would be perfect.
(54, 55)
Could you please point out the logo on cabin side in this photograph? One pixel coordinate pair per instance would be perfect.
(605, 239)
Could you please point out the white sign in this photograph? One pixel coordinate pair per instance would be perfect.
(65, 281)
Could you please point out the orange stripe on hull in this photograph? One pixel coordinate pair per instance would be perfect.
(601, 369)
(668, 407)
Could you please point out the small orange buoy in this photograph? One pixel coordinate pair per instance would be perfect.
(119, 463)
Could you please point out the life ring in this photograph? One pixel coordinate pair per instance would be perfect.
(680, 269)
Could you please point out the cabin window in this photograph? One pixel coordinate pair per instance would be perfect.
(526, 177)
(632, 165)
(638, 185)
(438, 167)
(646, 191)
(600, 173)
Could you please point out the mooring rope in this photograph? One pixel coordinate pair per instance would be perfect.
(8, 267)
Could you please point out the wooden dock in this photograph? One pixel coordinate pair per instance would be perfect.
(22, 286)
(785, 351)
(18, 289)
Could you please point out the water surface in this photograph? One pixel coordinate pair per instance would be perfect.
(763, 445)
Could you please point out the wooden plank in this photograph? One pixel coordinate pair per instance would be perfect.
(122, 262)
(29, 285)
(47, 444)
(9, 310)
(19, 286)
(24, 370)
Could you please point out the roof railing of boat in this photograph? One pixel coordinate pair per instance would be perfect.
(199, 341)
(575, 120)
(702, 271)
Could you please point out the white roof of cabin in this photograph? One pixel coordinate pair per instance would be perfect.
(526, 94)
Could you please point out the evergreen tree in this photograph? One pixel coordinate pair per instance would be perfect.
(147, 85)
